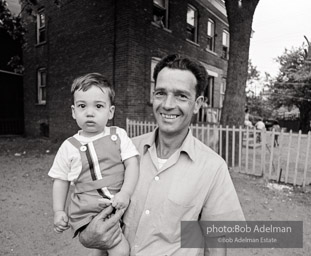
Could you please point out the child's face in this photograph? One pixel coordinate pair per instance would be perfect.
(92, 109)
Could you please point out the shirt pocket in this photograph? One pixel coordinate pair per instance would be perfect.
(170, 217)
(184, 193)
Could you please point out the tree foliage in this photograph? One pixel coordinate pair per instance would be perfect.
(252, 72)
(240, 18)
(12, 34)
(11, 24)
(293, 84)
(256, 102)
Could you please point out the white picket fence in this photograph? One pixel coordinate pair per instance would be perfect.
(287, 163)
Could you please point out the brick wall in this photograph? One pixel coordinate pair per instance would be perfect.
(113, 37)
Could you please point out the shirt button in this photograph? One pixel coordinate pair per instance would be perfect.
(147, 212)
(156, 178)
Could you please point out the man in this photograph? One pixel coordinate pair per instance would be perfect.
(180, 177)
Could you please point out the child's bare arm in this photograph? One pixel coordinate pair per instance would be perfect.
(121, 199)
(60, 191)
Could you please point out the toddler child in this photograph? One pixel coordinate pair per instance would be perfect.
(100, 161)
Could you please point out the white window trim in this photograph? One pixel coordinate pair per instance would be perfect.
(195, 22)
(226, 44)
(166, 7)
(211, 34)
(223, 87)
(41, 28)
(40, 86)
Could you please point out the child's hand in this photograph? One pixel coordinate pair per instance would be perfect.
(60, 221)
(121, 200)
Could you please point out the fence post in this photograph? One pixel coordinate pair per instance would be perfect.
(227, 143)
(279, 157)
(271, 154)
(263, 153)
(247, 147)
(220, 141)
(240, 148)
(297, 157)
(288, 155)
(233, 147)
(202, 133)
(306, 162)
(254, 151)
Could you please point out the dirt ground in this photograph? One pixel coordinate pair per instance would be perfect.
(26, 224)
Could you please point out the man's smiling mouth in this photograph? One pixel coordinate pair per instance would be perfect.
(169, 116)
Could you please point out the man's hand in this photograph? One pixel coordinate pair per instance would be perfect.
(104, 231)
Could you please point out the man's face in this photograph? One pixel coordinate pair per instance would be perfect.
(175, 101)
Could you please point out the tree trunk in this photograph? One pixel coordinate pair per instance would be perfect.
(304, 118)
(240, 17)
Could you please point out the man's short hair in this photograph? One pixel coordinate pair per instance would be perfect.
(85, 82)
(176, 61)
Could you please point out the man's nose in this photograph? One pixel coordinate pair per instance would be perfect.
(169, 102)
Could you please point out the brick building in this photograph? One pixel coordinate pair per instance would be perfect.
(123, 39)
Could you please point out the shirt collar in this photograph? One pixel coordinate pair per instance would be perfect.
(187, 146)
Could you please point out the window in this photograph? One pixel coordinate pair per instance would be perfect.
(211, 35)
(41, 86)
(225, 44)
(222, 92)
(154, 62)
(160, 13)
(210, 91)
(41, 27)
(192, 24)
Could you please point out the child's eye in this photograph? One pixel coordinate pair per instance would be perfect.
(99, 105)
(81, 105)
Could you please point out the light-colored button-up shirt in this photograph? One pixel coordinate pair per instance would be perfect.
(194, 183)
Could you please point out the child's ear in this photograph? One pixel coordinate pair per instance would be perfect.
(73, 112)
(111, 112)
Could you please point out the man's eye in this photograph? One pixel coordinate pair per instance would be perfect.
(159, 93)
(182, 97)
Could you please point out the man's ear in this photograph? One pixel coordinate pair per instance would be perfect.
(198, 104)
(111, 112)
(73, 112)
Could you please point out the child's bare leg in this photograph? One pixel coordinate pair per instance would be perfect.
(121, 249)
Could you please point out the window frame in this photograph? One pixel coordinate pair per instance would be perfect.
(210, 35)
(223, 87)
(193, 29)
(41, 87)
(41, 26)
(160, 8)
(210, 91)
(225, 44)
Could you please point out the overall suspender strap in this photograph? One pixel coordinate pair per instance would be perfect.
(91, 167)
